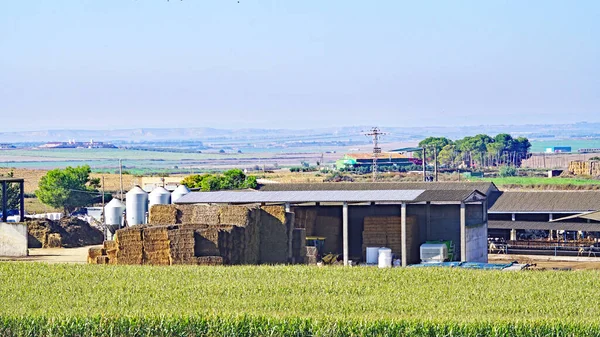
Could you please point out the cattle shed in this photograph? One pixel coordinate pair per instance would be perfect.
(544, 211)
(400, 216)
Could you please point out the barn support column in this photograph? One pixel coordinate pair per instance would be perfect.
(463, 232)
(551, 233)
(428, 216)
(22, 200)
(290, 233)
(4, 202)
(403, 235)
(345, 231)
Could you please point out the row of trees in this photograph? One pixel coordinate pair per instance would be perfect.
(229, 180)
(479, 150)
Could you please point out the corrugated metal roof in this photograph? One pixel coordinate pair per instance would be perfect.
(543, 225)
(483, 187)
(447, 195)
(545, 201)
(588, 215)
(299, 196)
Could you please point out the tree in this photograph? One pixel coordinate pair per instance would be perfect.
(67, 188)
(229, 180)
(12, 193)
(449, 155)
(432, 142)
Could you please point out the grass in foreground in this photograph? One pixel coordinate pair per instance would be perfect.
(298, 300)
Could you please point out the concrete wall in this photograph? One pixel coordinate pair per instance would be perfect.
(13, 239)
(477, 248)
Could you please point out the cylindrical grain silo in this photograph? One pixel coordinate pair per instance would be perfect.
(113, 217)
(179, 192)
(159, 196)
(136, 201)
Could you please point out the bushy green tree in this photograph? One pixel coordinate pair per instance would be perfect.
(430, 143)
(67, 188)
(229, 180)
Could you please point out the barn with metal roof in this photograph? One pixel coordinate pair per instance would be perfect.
(352, 216)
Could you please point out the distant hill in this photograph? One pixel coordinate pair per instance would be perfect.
(540, 131)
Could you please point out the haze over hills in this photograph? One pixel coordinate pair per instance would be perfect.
(354, 133)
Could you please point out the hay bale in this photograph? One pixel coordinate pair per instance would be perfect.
(130, 245)
(330, 227)
(274, 240)
(54, 241)
(102, 259)
(94, 253)
(276, 211)
(162, 214)
(110, 245)
(305, 217)
(234, 215)
(206, 215)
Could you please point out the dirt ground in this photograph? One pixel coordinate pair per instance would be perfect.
(549, 262)
(54, 255)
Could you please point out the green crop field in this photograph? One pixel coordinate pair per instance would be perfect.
(576, 183)
(91, 300)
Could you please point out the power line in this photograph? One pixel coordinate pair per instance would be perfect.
(375, 133)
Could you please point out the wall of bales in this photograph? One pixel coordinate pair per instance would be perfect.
(584, 168)
(208, 235)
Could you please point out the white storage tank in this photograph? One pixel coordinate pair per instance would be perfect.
(179, 192)
(113, 213)
(159, 196)
(372, 255)
(136, 203)
(385, 258)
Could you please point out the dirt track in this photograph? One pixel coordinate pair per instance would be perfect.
(54, 255)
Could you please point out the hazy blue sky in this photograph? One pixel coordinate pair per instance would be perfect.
(297, 64)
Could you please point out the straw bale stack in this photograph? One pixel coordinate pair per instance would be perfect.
(94, 253)
(162, 214)
(299, 245)
(181, 244)
(130, 245)
(306, 217)
(584, 168)
(209, 260)
(156, 246)
(205, 215)
(331, 228)
(184, 214)
(274, 240)
(276, 211)
(102, 259)
(386, 231)
(234, 215)
(111, 247)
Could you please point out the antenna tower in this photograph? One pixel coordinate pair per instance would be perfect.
(375, 133)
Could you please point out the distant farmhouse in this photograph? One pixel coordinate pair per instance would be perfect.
(559, 149)
(356, 160)
(72, 144)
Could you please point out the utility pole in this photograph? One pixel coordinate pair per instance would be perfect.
(424, 164)
(121, 177)
(102, 213)
(375, 133)
(435, 163)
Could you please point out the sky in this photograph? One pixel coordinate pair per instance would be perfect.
(294, 64)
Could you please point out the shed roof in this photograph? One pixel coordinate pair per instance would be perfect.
(299, 196)
(544, 201)
(483, 187)
(543, 225)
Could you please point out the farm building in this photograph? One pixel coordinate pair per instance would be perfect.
(356, 160)
(559, 149)
(518, 216)
(349, 217)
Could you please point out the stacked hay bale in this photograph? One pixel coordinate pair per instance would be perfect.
(330, 227)
(94, 253)
(156, 246)
(595, 168)
(305, 217)
(162, 214)
(130, 245)
(580, 168)
(111, 248)
(299, 245)
(274, 238)
(239, 227)
(382, 231)
(181, 245)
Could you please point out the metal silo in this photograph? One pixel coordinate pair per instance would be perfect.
(159, 196)
(137, 206)
(113, 217)
(179, 192)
